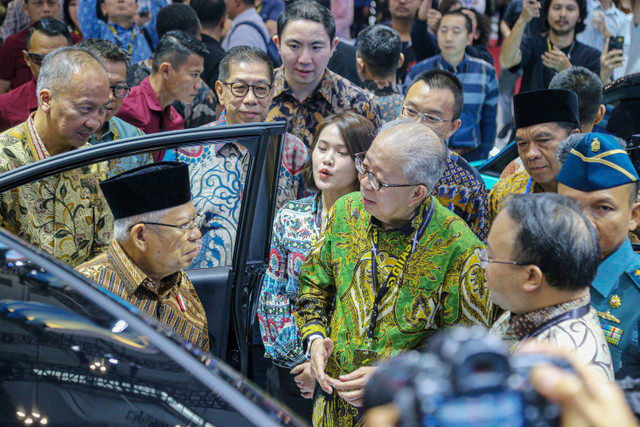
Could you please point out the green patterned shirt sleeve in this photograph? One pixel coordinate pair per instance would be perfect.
(466, 298)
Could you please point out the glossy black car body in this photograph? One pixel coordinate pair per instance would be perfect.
(74, 354)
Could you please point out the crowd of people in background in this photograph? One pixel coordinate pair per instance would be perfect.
(385, 232)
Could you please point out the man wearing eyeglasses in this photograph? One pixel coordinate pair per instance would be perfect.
(435, 98)
(176, 66)
(245, 91)
(115, 61)
(65, 214)
(542, 254)
(392, 267)
(45, 36)
(156, 230)
(14, 71)
(474, 140)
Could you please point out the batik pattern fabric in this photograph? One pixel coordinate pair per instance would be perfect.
(66, 215)
(388, 100)
(582, 336)
(119, 129)
(334, 94)
(294, 229)
(218, 173)
(462, 191)
(173, 301)
(517, 183)
(442, 285)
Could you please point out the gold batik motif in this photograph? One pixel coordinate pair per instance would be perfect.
(517, 183)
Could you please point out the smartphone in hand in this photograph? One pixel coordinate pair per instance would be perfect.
(616, 42)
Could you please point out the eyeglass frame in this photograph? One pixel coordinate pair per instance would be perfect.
(126, 89)
(485, 260)
(423, 116)
(360, 168)
(249, 87)
(197, 222)
(40, 57)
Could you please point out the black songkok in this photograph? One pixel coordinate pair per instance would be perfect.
(148, 188)
(544, 106)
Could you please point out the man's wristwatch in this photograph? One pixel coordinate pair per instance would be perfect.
(307, 344)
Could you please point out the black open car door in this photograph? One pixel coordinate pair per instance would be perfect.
(228, 293)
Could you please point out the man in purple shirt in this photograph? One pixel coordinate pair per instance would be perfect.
(45, 36)
(175, 75)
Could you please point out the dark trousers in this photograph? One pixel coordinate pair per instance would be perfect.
(282, 386)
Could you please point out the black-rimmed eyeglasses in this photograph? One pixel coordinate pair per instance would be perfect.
(260, 91)
(120, 91)
(376, 184)
(36, 58)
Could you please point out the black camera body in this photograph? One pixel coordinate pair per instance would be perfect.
(465, 379)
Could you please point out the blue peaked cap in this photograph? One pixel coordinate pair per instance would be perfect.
(595, 163)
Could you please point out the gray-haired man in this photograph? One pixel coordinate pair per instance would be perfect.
(73, 91)
(398, 265)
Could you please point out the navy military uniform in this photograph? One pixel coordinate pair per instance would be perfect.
(599, 162)
(615, 294)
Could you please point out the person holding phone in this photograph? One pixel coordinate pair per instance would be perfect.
(612, 59)
(541, 56)
(606, 23)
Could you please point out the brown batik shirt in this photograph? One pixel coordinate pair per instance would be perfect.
(175, 303)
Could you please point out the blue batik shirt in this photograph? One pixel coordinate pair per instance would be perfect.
(217, 174)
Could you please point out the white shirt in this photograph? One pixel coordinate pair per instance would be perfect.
(617, 24)
(633, 59)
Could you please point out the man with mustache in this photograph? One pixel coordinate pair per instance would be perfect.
(541, 56)
(156, 230)
(543, 119)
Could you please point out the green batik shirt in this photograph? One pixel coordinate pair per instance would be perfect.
(441, 285)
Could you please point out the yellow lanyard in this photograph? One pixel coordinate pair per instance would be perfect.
(115, 34)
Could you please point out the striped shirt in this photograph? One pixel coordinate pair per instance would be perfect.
(175, 304)
(480, 86)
